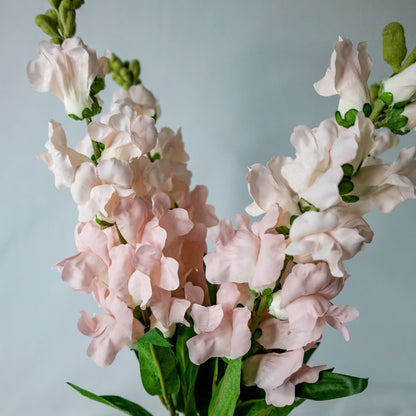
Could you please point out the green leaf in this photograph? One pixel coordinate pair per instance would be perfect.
(292, 218)
(225, 396)
(157, 369)
(117, 402)
(260, 408)
(308, 354)
(188, 371)
(156, 337)
(331, 386)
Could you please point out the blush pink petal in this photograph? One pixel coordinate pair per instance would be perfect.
(79, 271)
(207, 319)
(61, 160)
(269, 371)
(140, 288)
(131, 215)
(144, 133)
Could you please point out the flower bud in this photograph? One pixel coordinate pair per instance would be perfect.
(394, 45)
(47, 24)
(275, 309)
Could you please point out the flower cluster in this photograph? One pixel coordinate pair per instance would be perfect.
(264, 295)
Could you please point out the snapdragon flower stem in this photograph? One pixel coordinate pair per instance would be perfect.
(95, 147)
(260, 310)
(378, 108)
(411, 59)
(167, 400)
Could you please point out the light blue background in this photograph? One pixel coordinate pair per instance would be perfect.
(237, 77)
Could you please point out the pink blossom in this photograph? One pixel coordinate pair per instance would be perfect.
(61, 159)
(242, 256)
(321, 236)
(92, 261)
(222, 329)
(386, 185)
(278, 374)
(138, 98)
(306, 296)
(267, 186)
(110, 331)
(167, 311)
(68, 71)
(98, 189)
(124, 138)
(347, 76)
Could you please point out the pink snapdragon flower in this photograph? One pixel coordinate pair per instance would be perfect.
(267, 186)
(124, 138)
(111, 331)
(68, 71)
(305, 299)
(61, 159)
(320, 154)
(222, 329)
(138, 98)
(321, 236)
(93, 259)
(278, 374)
(242, 256)
(347, 76)
(98, 189)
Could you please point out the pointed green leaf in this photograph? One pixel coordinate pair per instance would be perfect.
(261, 408)
(157, 369)
(126, 406)
(188, 371)
(156, 337)
(331, 386)
(226, 394)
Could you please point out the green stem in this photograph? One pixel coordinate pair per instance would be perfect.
(215, 376)
(120, 236)
(411, 59)
(260, 310)
(167, 400)
(377, 109)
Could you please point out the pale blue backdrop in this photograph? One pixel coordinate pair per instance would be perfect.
(237, 76)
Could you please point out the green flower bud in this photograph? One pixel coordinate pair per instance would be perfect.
(48, 25)
(76, 4)
(51, 13)
(55, 3)
(69, 24)
(394, 45)
(134, 67)
(126, 75)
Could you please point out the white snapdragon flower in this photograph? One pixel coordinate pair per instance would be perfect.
(68, 71)
(347, 76)
(402, 85)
